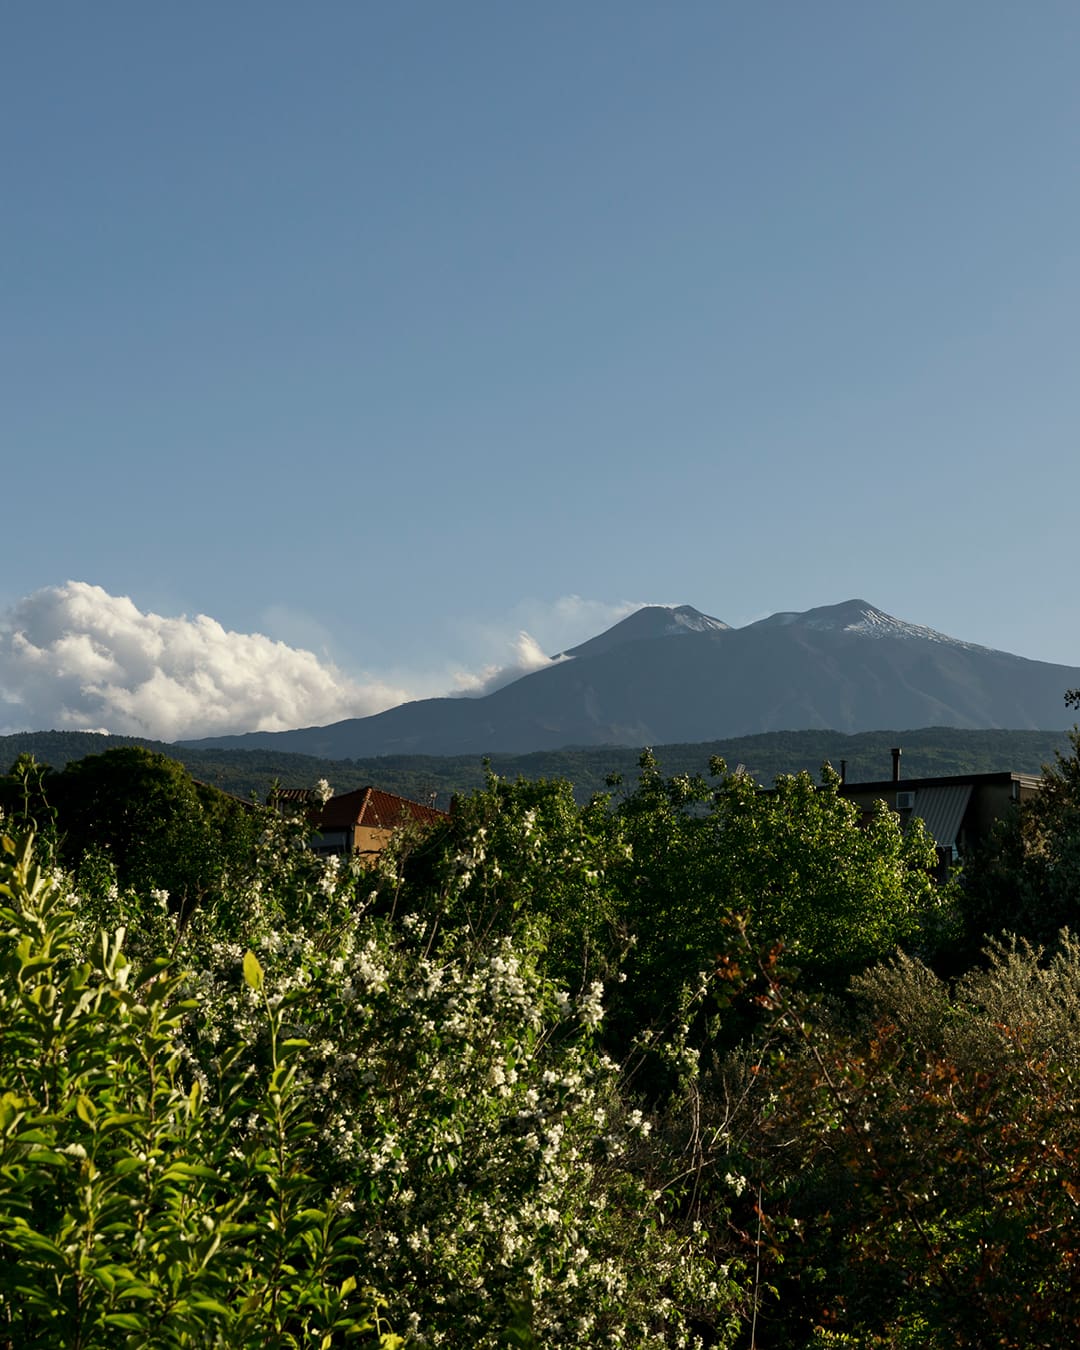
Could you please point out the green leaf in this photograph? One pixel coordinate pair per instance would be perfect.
(183, 1171)
(47, 1157)
(137, 1290)
(253, 972)
(125, 1321)
(210, 1305)
(117, 1119)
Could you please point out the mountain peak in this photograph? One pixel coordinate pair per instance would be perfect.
(650, 622)
(855, 614)
(859, 616)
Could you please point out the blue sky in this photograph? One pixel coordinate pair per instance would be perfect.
(385, 330)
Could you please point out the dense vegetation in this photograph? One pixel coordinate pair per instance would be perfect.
(675, 1067)
(929, 752)
(137, 818)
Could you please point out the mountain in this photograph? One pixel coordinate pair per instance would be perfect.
(673, 674)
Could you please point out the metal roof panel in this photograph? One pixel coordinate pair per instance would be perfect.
(942, 810)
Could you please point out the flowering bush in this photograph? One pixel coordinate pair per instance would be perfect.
(290, 1132)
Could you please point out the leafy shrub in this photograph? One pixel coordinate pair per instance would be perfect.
(921, 1166)
(127, 1214)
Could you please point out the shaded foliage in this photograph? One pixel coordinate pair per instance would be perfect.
(917, 1170)
(1026, 879)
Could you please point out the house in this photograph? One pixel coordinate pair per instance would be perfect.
(958, 811)
(361, 822)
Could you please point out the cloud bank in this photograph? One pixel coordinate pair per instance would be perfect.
(74, 657)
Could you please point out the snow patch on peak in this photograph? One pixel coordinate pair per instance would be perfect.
(856, 616)
(651, 622)
(688, 619)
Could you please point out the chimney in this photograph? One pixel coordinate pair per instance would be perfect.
(843, 771)
(896, 753)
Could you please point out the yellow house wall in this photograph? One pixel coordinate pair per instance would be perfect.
(369, 841)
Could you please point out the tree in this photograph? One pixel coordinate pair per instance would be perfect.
(1026, 880)
(144, 815)
(797, 861)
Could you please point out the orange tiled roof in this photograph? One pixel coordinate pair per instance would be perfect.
(372, 807)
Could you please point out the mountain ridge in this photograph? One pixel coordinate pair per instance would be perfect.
(673, 674)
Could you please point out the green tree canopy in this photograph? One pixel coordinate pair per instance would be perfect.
(157, 827)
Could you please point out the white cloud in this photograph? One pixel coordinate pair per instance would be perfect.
(75, 657)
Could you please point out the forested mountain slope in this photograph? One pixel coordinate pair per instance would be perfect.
(927, 752)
